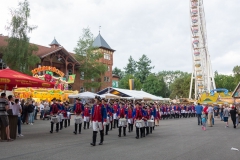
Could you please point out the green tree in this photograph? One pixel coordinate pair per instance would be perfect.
(88, 56)
(124, 82)
(118, 72)
(180, 87)
(225, 81)
(143, 68)
(131, 66)
(155, 85)
(18, 54)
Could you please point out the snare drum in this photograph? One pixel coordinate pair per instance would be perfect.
(122, 122)
(150, 123)
(55, 119)
(86, 119)
(140, 123)
(78, 119)
(61, 117)
(68, 115)
(114, 115)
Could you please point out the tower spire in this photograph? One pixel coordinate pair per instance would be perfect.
(99, 29)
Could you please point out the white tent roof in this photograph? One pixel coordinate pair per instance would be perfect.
(109, 96)
(138, 94)
(84, 95)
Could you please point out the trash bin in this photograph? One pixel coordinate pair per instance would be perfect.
(13, 128)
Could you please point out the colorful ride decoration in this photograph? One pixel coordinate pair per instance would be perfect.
(47, 68)
(60, 82)
(43, 94)
(217, 96)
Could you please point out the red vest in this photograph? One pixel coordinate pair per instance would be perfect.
(54, 108)
(86, 112)
(97, 115)
(78, 109)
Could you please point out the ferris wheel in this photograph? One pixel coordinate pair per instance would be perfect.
(202, 74)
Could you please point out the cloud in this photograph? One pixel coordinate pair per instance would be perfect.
(158, 28)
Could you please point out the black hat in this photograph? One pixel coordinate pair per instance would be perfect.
(85, 104)
(58, 100)
(116, 100)
(66, 103)
(78, 99)
(137, 103)
(54, 99)
(98, 98)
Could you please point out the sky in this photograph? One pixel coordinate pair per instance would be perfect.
(158, 28)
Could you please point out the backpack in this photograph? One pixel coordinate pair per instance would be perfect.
(30, 108)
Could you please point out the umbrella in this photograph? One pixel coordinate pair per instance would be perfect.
(84, 95)
(109, 96)
(10, 79)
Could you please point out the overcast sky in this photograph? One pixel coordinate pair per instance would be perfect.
(158, 28)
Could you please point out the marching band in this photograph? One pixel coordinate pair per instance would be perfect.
(105, 115)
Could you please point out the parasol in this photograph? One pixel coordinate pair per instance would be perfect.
(10, 79)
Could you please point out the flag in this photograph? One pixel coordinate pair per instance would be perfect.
(71, 78)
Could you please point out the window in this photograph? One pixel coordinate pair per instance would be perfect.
(69, 72)
(108, 68)
(81, 89)
(107, 56)
(106, 79)
(82, 76)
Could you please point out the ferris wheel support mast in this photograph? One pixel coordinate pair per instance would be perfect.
(202, 74)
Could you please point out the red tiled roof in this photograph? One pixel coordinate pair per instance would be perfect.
(42, 50)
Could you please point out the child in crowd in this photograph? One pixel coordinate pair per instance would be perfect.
(204, 120)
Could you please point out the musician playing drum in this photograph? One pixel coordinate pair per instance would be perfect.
(121, 113)
(86, 116)
(115, 108)
(98, 120)
(78, 108)
(138, 117)
(130, 117)
(53, 112)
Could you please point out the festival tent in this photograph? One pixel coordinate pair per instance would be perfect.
(10, 79)
(131, 94)
(109, 96)
(84, 95)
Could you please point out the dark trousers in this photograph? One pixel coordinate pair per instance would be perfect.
(19, 125)
(234, 121)
(57, 126)
(199, 119)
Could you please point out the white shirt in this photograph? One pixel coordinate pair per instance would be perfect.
(210, 110)
(41, 107)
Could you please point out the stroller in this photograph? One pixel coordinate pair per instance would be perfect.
(46, 114)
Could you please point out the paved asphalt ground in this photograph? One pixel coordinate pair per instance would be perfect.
(173, 139)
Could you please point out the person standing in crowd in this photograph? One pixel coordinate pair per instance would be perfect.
(210, 115)
(199, 110)
(36, 110)
(17, 110)
(30, 109)
(41, 107)
(99, 118)
(221, 112)
(204, 120)
(205, 110)
(233, 116)
(225, 115)
(4, 106)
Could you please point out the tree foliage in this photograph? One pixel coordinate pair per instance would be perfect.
(180, 87)
(155, 85)
(225, 81)
(88, 57)
(143, 68)
(118, 72)
(124, 82)
(18, 54)
(131, 66)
